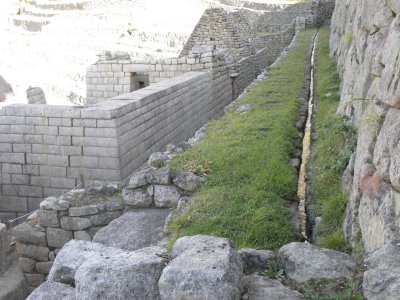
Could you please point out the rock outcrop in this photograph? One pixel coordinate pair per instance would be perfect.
(365, 39)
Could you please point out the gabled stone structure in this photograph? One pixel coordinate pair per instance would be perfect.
(217, 27)
(247, 32)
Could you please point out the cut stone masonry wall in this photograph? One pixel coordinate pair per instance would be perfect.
(49, 150)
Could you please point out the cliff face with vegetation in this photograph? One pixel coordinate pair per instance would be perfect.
(365, 39)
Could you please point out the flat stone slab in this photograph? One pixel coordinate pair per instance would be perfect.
(256, 287)
(134, 229)
(54, 291)
(73, 255)
(303, 262)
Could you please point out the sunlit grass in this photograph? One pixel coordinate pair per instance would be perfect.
(251, 185)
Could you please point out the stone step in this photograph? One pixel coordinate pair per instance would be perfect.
(60, 4)
(30, 23)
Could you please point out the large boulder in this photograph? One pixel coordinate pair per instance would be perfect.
(304, 262)
(203, 267)
(382, 278)
(54, 291)
(73, 255)
(134, 229)
(256, 287)
(129, 275)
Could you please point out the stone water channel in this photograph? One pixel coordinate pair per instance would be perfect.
(303, 174)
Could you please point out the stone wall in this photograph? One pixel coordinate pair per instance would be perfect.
(365, 39)
(81, 214)
(47, 150)
(276, 21)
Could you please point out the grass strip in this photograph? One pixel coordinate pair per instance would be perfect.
(250, 184)
(336, 141)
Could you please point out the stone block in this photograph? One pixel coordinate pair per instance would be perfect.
(25, 233)
(100, 132)
(83, 211)
(10, 190)
(31, 191)
(137, 197)
(71, 150)
(48, 130)
(46, 149)
(66, 122)
(24, 148)
(75, 223)
(13, 204)
(11, 168)
(48, 218)
(159, 176)
(34, 158)
(22, 129)
(83, 161)
(58, 160)
(40, 181)
(166, 196)
(58, 237)
(62, 183)
(71, 131)
(54, 204)
(20, 179)
(44, 267)
(5, 178)
(27, 265)
(53, 171)
(38, 253)
(105, 218)
(7, 120)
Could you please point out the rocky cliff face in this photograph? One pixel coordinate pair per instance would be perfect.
(365, 39)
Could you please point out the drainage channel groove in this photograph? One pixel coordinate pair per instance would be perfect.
(302, 183)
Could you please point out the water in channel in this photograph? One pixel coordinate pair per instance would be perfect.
(302, 183)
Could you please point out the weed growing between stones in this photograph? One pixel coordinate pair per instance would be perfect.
(340, 289)
(336, 141)
(248, 191)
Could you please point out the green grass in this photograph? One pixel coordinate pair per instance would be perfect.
(247, 193)
(336, 141)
